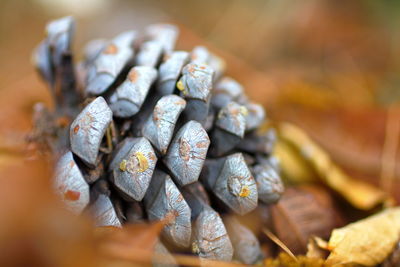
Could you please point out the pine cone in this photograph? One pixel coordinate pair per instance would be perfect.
(163, 135)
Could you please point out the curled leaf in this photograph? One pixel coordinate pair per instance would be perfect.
(367, 242)
(292, 164)
(297, 146)
(317, 248)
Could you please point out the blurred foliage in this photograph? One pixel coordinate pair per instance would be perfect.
(386, 11)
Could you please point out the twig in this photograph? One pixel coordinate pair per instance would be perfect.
(277, 241)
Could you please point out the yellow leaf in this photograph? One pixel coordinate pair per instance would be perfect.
(317, 248)
(367, 242)
(313, 159)
(294, 167)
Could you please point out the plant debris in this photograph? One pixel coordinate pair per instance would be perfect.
(304, 161)
(366, 242)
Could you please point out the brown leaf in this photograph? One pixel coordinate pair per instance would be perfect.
(34, 227)
(302, 213)
(133, 242)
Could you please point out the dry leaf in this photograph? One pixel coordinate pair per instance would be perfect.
(354, 137)
(394, 257)
(133, 243)
(293, 165)
(317, 248)
(367, 242)
(358, 193)
(302, 213)
(34, 228)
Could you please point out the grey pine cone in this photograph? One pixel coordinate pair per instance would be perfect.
(159, 134)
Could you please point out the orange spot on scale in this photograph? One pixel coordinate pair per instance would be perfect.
(184, 149)
(170, 217)
(76, 129)
(245, 191)
(191, 69)
(72, 195)
(151, 156)
(110, 49)
(180, 198)
(166, 57)
(133, 76)
(180, 102)
(202, 144)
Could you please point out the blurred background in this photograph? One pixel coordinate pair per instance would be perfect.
(331, 67)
